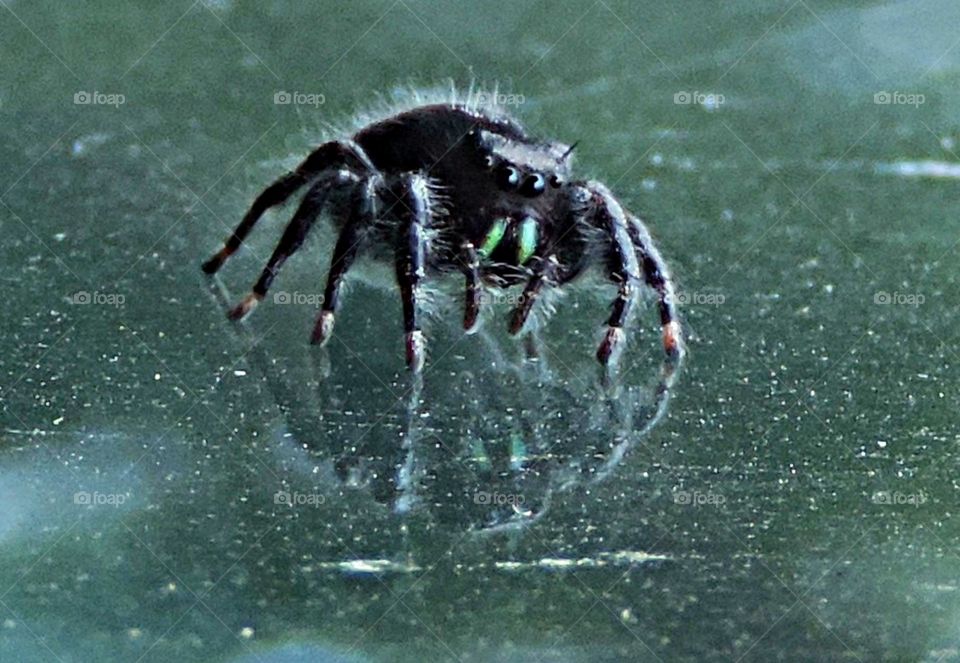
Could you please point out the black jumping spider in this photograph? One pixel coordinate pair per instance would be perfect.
(450, 187)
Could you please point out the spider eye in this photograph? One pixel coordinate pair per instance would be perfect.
(488, 161)
(508, 177)
(556, 181)
(534, 185)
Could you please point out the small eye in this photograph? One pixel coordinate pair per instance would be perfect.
(488, 161)
(556, 181)
(508, 177)
(534, 185)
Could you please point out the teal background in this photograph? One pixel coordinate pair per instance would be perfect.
(796, 503)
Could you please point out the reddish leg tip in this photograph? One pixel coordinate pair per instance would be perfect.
(671, 339)
(416, 350)
(323, 329)
(470, 320)
(611, 345)
(244, 308)
(212, 265)
(517, 321)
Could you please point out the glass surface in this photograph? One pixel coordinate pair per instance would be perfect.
(176, 487)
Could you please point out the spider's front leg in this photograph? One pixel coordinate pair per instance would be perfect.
(544, 275)
(626, 271)
(657, 277)
(413, 212)
(632, 252)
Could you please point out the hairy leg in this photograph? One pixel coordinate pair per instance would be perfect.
(633, 259)
(362, 215)
(292, 239)
(326, 157)
(544, 275)
(657, 276)
(413, 212)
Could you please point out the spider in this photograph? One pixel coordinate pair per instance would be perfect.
(446, 187)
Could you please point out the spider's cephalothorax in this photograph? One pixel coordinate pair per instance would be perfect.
(447, 187)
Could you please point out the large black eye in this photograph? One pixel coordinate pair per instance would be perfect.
(534, 185)
(508, 177)
(556, 181)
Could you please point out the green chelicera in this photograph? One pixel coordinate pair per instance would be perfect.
(528, 240)
(492, 239)
(527, 237)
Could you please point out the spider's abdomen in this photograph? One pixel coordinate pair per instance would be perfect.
(422, 138)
